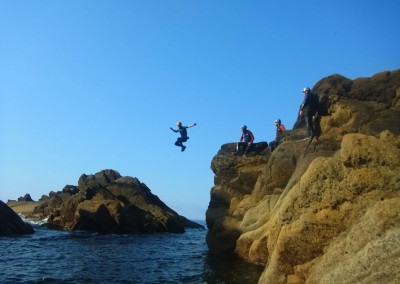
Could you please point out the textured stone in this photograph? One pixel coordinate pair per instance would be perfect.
(106, 202)
(327, 212)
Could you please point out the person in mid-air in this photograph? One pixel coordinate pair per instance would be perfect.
(182, 130)
(280, 128)
(309, 108)
(245, 141)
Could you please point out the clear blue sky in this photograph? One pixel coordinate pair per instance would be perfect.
(92, 85)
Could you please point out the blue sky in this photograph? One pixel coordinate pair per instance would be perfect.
(92, 85)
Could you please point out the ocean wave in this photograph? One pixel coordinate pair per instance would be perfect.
(34, 222)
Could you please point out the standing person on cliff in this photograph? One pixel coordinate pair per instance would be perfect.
(182, 130)
(309, 108)
(280, 128)
(245, 141)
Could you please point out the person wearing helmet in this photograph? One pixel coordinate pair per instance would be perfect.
(245, 141)
(183, 132)
(309, 108)
(280, 128)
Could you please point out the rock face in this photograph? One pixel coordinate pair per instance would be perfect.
(106, 202)
(27, 197)
(328, 212)
(11, 223)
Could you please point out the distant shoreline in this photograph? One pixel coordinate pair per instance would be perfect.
(24, 208)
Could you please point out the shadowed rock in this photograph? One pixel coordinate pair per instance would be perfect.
(11, 224)
(106, 202)
(26, 197)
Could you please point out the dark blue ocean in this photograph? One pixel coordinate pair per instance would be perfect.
(50, 256)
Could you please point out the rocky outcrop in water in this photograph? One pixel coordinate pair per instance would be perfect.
(106, 202)
(11, 224)
(328, 212)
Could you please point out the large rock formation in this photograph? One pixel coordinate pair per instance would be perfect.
(11, 223)
(106, 202)
(27, 197)
(328, 212)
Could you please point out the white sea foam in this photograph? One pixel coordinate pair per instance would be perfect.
(33, 222)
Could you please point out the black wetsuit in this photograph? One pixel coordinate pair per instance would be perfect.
(182, 130)
(309, 107)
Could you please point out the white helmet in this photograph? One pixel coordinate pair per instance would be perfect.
(306, 89)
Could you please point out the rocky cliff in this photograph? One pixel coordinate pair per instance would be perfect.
(325, 212)
(106, 202)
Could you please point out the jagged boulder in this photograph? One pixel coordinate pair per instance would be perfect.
(106, 202)
(110, 203)
(325, 212)
(47, 204)
(27, 197)
(11, 223)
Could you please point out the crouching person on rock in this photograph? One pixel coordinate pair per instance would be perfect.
(246, 141)
(280, 128)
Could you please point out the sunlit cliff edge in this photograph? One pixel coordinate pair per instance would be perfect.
(329, 213)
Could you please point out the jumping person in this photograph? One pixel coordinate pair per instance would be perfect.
(280, 128)
(183, 132)
(309, 108)
(246, 140)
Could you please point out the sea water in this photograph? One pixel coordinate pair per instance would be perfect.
(51, 256)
